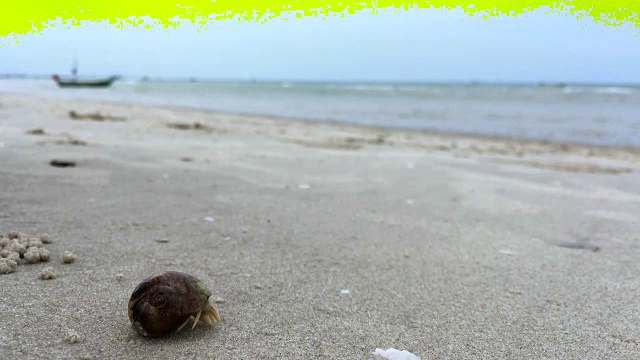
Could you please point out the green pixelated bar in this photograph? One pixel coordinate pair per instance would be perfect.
(32, 16)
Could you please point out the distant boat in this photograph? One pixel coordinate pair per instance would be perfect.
(76, 82)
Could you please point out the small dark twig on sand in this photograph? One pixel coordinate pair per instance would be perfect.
(190, 126)
(38, 131)
(579, 246)
(97, 116)
(62, 163)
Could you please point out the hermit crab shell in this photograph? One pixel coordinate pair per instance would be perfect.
(164, 303)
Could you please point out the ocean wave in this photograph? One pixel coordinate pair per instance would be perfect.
(364, 88)
(615, 90)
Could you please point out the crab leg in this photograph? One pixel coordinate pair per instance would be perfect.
(195, 321)
(183, 324)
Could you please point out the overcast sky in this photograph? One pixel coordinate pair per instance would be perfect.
(418, 45)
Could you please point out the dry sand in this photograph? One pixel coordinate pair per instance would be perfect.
(449, 246)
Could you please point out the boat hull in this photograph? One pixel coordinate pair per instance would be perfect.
(75, 83)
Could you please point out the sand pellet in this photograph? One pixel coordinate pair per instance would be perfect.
(68, 257)
(32, 256)
(12, 255)
(46, 239)
(16, 246)
(7, 266)
(47, 274)
(34, 242)
(44, 254)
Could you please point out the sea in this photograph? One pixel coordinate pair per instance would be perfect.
(597, 114)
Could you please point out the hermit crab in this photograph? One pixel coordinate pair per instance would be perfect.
(164, 303)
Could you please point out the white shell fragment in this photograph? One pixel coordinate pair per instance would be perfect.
(507, 252)
(395, 354)
(68, 257)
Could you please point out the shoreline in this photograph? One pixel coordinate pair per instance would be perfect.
(588, 118)
(432, 133)
(540, 83)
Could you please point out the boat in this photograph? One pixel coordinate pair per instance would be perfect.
(75, 81)
(78, 82)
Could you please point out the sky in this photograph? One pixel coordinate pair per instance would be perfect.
(429, 45)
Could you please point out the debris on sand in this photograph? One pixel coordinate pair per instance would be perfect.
(47, 274)
(68, 257)
(62, 163)
(72, 337)
(579, 246)
(120, 277)
(395, 354)
(72, 141)
(38, 131)
(96, 116)
(190, 126)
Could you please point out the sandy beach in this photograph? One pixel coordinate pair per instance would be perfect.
(318, 240)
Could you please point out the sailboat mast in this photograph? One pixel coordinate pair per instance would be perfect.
(74, 69)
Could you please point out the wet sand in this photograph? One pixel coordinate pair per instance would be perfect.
(450, 246)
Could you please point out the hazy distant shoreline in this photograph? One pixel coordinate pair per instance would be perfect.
(602, 115)
(179, 79)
